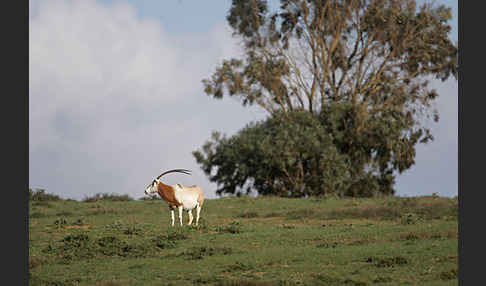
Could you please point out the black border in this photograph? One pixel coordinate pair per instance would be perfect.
(15, 144)
(471, 143)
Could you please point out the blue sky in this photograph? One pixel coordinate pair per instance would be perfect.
(115, 97)
(180, 16)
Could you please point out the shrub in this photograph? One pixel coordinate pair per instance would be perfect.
(410, 218)
(82, 246)
(203, 225)
(162, 242)
(234, 227)
(448, 275)
(239, 266)
(381, 279)
(60, 222)
(288, 155)
(387, 261)
(201, 252)
(107, 197)
(149, 198)
(177, 234)
(41, 195)
(79, 221)
(327, 245)
(131, 230)
(411, 236)
(72, 247)
(113, 246)
(117, 224)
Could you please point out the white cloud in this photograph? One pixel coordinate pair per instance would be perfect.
(114, 99)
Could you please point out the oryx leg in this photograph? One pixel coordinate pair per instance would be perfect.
(180, 214)
(198, 210)
(189, 212)
(172, 215)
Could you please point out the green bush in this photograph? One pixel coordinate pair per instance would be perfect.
(40, 195)
(149, 198)
(178, 233)
(390, 261)
(82, 246)
(107, 197)
(448, 275)
(289, 154)
(200, 252)
(162, 242)
(411, 218)
(234, 227)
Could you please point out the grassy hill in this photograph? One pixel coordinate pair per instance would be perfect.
(246, 241)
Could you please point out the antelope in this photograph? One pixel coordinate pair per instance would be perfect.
(182, 197)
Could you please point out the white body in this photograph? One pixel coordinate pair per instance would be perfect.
(189, 197)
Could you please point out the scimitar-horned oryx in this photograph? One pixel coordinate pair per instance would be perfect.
(178, 196)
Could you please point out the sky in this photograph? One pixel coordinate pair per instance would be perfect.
(116, 98)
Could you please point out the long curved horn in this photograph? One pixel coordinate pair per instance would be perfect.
(184, 171)
(150, 183)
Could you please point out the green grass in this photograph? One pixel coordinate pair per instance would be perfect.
(246, 241)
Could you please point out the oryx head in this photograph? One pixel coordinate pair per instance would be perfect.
(152, 188)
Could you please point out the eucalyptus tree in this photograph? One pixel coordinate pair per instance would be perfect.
(362, 66)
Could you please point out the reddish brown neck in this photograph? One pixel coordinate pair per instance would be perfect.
(167, 193)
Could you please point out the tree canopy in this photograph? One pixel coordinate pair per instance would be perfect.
(362, 66)
(290, 155)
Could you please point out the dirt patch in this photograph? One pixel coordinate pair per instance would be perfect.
(86, 226)
(445, 258)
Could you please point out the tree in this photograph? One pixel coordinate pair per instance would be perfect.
(362, 66)
(289, 154)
